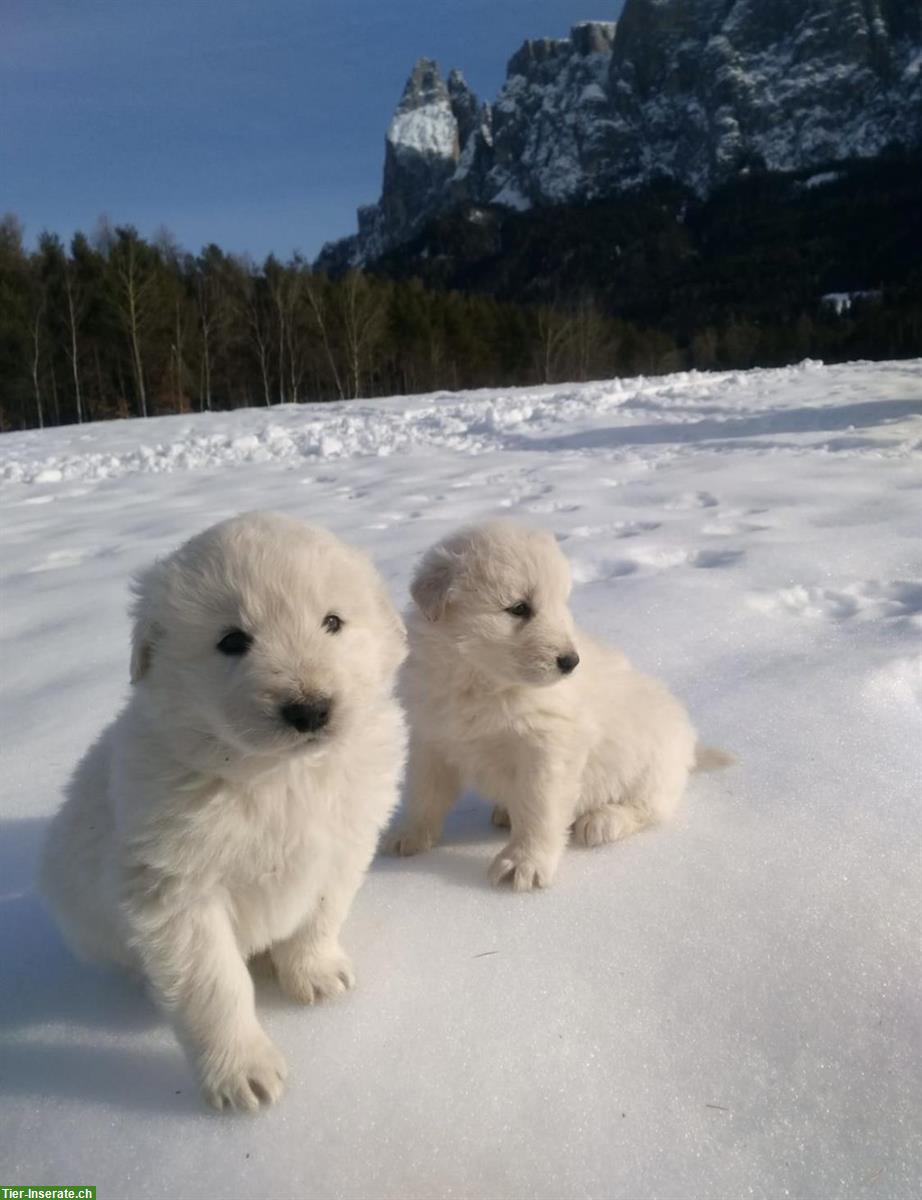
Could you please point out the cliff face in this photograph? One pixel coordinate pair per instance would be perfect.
(701, 88)
(695, 89)
(422, 150)
(550, 121)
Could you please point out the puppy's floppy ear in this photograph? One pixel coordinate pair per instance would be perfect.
(432, 583)
(145, 629)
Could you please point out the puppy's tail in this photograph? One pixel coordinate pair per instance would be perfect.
(709, 758)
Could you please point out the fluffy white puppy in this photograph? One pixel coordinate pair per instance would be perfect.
(505, 695)
(234, 805)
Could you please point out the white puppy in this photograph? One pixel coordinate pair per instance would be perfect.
(234, 805)
(505, 695)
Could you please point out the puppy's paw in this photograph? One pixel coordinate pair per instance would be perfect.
(610, 823)
(500, 817)
(409, 840)
(315, 977)
(243, 1080)
(524, 868)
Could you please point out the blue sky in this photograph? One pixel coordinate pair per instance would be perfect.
(256, 125)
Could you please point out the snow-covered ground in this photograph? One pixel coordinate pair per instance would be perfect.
(725, 1007)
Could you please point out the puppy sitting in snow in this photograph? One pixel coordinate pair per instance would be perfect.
(505, 695)
(234, 805)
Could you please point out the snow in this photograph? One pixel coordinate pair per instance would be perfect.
(509, 196)
(724, 1007)
(592, 93)
(821, 179)
(843, 301)
(549, 123)
(430, 130)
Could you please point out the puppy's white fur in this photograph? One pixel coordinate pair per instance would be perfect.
(604, 751)
(202, 829)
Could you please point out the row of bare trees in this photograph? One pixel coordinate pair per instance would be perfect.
(115, 325)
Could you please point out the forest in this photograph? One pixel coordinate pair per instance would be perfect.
(116, 325)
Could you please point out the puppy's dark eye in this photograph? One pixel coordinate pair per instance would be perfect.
(332, 623)
(235, 642)
(522, 610)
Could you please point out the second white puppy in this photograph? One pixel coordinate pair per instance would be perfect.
(505, 695)
(235, 804)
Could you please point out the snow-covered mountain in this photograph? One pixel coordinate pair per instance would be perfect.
(696, 89)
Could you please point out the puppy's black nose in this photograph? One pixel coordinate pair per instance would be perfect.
(307, 716)
(568, 662)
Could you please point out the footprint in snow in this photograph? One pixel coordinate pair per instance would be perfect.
(896, 597)
(629, 529)
(894, 600)
(654, 559)
(716, 558)
(602, 569)
(721, 528)
(691, 500)
(618, 529)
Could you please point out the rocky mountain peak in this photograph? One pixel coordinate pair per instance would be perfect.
(423, 123)
(696, 89)
(424, 85)
(593, 37)
(465, 107)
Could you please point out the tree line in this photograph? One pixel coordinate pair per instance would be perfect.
(733, 279)
(116, 325)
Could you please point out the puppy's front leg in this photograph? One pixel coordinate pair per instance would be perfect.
(433, 788)
(311, 965)
(540, 803)
(190, 955)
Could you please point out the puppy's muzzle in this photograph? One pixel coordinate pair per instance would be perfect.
(567, 663)
(307, 716)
